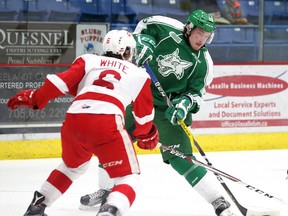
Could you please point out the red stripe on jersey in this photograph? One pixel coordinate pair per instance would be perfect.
(59, 180)
(101, 97)
(127, 190)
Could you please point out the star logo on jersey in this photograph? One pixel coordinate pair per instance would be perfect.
(172, 63)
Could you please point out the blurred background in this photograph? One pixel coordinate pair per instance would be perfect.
(262, 37)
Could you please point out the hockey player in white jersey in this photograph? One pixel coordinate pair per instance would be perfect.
(102, 86)
(178, 56)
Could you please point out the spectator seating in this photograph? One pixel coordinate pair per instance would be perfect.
(223, 35)
(249, 6)
(172, 8)
(243, 53)
(42, 10)
(235, 43)
(220, 3)
(275, 43)
(31, 11)
(272, 7)
(7, 11)
(274, 34)
(60, 10)
(22, 10)
(177, 9)
(279, 19)
(275, 10)
(250, 9)
(113, 11)
(244, 34)
(121, 12)
(91, 11)
(233, 52)
(219, 52)
(142, 8)
(275, 52)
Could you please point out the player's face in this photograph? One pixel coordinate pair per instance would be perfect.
(198, 38)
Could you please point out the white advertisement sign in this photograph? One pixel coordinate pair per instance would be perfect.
(245, 99)
(90, 38)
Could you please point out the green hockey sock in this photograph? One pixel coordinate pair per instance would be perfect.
(192, 173)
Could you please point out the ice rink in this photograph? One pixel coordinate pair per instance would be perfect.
(163, 192)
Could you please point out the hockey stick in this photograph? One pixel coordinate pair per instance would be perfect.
(228, 176)
(241, 208)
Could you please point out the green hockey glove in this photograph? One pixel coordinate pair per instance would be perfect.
(145, 47)
(179, 111)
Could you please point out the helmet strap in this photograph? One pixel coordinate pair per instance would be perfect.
(210, 39)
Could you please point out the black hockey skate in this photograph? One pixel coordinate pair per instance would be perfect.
(92, 200)
(107, 210)
(36, 208)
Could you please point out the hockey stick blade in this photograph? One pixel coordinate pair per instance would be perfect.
(262, 213)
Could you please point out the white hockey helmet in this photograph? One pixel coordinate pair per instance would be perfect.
(120, 42)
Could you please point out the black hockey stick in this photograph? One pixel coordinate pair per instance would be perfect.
(241, 208)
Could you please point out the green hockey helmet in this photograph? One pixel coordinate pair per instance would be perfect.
(203, 20)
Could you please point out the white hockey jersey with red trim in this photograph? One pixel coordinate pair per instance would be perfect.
(104, 85)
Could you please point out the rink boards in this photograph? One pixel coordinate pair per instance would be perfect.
(51, 148)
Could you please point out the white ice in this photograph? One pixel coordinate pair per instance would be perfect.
(163, 191)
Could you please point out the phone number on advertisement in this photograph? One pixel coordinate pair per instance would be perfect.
(45, 114)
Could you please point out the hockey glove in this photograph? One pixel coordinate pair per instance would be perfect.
(24, 98)
(179, 111)
(145, 47)
(148, 141)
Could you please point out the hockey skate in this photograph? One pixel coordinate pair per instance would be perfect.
(36, 208)
(107, 210)
(222, 207)
(91, 201)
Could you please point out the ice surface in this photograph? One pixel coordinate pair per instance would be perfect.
(163, 191)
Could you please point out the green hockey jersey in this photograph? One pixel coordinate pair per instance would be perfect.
(179, 68)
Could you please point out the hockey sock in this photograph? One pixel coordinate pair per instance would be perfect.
(104, 181)
(202, 181)
(59, 180)
(209, 188)
(192, 173)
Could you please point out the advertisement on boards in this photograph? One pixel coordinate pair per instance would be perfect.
(90, 38)
(245, 99)
(49, 43)
(28, 55)
(37, 43)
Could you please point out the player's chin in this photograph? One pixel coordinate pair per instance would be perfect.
(196, 47)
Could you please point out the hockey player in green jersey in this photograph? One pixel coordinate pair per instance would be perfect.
(177, 55)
